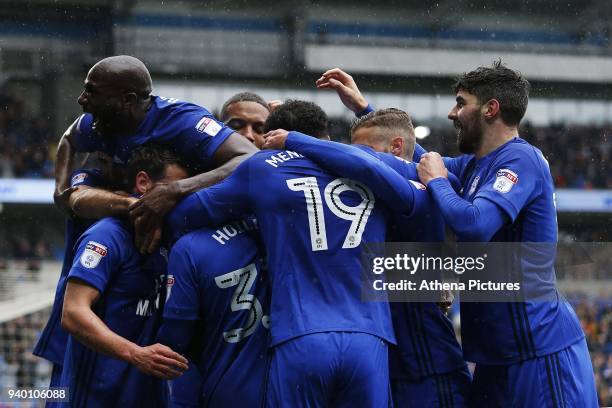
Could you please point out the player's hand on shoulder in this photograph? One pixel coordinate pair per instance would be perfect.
(431, 166)
(159, 361)
(345, 87)
(275, 139)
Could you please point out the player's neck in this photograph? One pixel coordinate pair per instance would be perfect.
(494, 137)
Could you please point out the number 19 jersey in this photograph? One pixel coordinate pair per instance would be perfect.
(316, 229)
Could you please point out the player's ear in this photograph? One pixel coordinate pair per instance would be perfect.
(397, 146)
(143, 182)
(491, 109)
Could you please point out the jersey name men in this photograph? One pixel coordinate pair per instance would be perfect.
(316, 228)
(130, 294)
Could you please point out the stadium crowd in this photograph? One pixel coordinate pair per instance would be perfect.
(596, 319)
(26, 141)
(579, 156)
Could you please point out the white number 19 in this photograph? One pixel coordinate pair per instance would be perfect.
(358, 215)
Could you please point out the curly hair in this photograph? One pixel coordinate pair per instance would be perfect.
(498, 82)
(302, 116)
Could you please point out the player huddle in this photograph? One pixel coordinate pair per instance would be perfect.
(219, 275)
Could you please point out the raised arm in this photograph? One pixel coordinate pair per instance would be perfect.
(346, 88)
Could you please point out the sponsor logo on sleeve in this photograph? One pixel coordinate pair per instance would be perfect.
(209, 126)
(505, 180)
(78, 179)
(92, 255)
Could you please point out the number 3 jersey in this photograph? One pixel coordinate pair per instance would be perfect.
(316, 229)
(216, 278)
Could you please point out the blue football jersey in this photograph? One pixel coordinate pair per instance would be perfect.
(130, 287)
(51, 344)
(316, 228)
(217, 278)
(188, 129)
(426, 342)
(516, 177)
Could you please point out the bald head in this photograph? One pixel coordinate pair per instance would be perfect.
(117, 93)
(124, 72)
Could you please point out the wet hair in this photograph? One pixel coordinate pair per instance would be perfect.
(152, 160)
(242, 97)
(498, 82)
(301, 116)
(391, 122)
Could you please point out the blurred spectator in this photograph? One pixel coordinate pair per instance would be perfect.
(24, 142)
(578, 155)
(596, 317)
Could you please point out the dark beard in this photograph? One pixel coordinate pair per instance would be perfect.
(469, 141)
(109, 123)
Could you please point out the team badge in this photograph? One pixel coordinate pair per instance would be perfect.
(418, 185)
(506, 179)
(92, 255)
(208, 126)
(474, 185)
(78, 179)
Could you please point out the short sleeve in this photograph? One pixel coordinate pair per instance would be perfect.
(512, 181)
(201, 135)
(86, 177)
(98, 254)
(183, 286)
